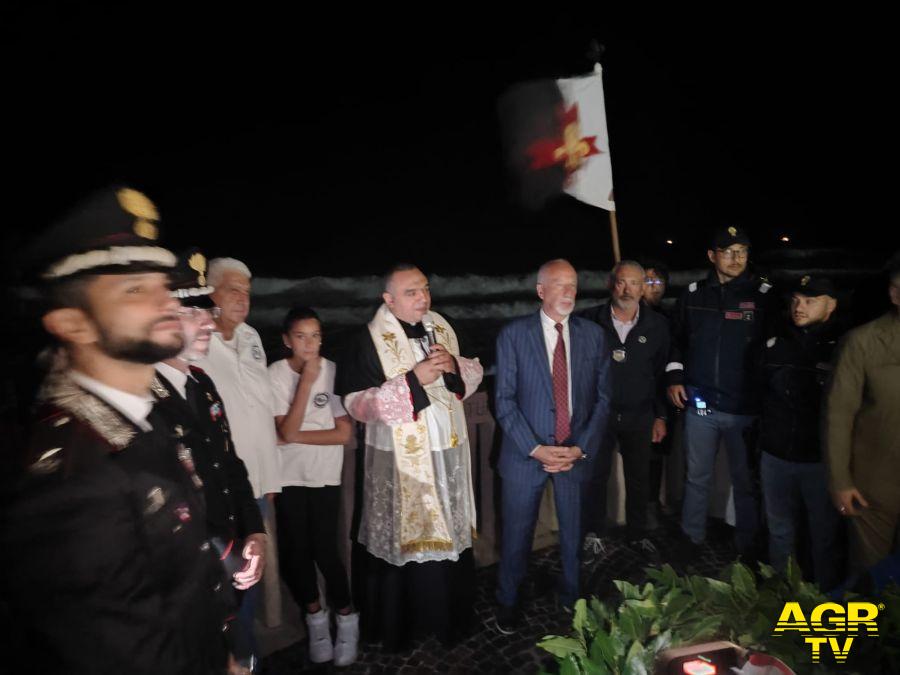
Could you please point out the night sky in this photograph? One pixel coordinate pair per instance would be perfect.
(309, 144)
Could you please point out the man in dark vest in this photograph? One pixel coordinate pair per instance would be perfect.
(638, 340)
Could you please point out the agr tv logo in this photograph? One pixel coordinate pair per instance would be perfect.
(828, 624)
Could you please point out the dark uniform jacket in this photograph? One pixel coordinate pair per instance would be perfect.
(108, 565)
(231, 509)
(796, 367)
(638, 364)
(718, 331)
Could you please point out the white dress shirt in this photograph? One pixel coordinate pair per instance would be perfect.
(238, 369)
(134, 408)
(623, 328)
(176, 377)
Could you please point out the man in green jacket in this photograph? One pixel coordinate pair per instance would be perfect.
(863, 423)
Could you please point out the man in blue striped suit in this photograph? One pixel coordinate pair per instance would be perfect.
(552, 401)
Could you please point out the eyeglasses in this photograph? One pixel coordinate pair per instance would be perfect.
(654, 282)
(734, 253)
(200, 312)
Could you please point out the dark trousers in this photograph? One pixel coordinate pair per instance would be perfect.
(307, 521)
(633, 434)
(521, 503)
(793, 491)
(702, 437)
(657, 459)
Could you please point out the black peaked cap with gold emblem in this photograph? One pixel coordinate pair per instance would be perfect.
(113, 231)
(814, 286)
(188, 280)
(730, 235)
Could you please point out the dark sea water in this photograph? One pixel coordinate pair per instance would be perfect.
(479, 305)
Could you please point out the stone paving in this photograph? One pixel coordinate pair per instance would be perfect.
(487, 651)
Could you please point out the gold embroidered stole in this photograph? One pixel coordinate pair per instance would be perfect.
(422, 523)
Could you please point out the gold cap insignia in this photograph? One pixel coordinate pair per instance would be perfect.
(197, 262)
(732, 231)
(145, 213)
(805, 280)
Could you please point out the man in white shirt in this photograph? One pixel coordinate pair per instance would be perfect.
(236, 362)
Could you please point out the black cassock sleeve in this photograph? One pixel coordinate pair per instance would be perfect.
(360, 369)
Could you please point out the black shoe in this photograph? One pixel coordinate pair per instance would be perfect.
(686, 551)
(506, 620)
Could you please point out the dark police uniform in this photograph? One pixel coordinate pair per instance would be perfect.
(109, 567)
(718, 332)
(638, 398)
(231, 510)
(796, 368)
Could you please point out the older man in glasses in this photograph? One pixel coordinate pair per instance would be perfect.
(719, 328)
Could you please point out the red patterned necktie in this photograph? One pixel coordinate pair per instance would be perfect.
(561, 387)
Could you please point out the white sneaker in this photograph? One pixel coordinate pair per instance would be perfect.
(320, 648)
(347, 640)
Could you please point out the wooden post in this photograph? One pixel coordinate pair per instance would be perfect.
(614, 231)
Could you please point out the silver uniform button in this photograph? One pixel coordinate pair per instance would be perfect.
(215, 465)
(204, 546)
(226, 491)
(217, 588)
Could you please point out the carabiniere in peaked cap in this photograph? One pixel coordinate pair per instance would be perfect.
(188, 280)
(113, 231)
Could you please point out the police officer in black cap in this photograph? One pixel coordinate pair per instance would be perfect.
(796, 365)
(719, 326)
(187, 397)
(109, 565)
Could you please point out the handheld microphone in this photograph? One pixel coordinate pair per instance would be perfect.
(428, 325)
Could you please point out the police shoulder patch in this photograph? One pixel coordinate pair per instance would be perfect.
(764, 287)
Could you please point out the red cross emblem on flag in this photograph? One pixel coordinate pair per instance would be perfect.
(570, 150)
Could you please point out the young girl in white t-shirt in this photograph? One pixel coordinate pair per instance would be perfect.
(313, 428)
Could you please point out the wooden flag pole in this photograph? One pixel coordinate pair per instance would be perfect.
(614, 231)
